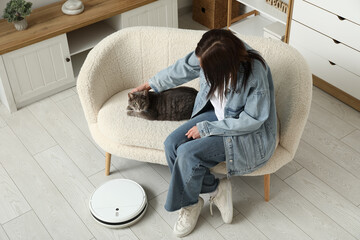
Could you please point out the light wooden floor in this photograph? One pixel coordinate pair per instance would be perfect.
(49, 167)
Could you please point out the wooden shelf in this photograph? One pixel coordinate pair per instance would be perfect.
(94, 34)
(266, 10)
(49, 21)
(253, 25)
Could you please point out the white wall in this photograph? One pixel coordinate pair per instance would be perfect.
(36, 4)
(184, 3)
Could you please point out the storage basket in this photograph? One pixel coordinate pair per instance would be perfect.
(213, 13)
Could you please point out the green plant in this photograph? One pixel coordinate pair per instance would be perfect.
(17, 10)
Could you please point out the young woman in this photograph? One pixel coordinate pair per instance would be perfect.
(233, 120)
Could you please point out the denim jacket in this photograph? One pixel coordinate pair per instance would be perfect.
(249, 127)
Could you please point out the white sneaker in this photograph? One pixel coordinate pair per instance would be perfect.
(187, 219)
(223, 200)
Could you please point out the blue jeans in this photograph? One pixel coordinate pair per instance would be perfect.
(189, 161)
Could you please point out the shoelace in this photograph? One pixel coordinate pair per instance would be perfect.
(211, 204)
(183, 212)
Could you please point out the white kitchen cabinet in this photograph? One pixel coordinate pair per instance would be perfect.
(39, 70)
(327, 34)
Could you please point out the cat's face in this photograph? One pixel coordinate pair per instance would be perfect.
(138, 101)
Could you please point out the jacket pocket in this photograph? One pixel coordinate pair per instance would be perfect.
(260, 144)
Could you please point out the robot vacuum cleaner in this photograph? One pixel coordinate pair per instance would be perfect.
(118, 203)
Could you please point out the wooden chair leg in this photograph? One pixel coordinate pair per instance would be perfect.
(107, 163)
(267, 187)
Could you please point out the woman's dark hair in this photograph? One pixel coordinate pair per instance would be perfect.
(222, 57)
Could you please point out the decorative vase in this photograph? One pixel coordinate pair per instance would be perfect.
(21, 25)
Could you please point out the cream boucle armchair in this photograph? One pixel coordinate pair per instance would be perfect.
(131, 56)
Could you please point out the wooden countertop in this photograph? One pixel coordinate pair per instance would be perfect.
(49, 21)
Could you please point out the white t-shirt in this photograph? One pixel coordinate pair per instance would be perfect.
(218, 105)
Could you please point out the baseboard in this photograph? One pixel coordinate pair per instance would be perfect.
(337, 93)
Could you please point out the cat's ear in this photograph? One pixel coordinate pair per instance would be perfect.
(144, 93)
(130, 95)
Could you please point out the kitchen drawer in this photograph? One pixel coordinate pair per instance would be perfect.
(333, 74)
(349, 9)
(326, 47)
(327, 23)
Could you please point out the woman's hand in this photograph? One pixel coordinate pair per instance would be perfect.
(193, 133)
(142, 87)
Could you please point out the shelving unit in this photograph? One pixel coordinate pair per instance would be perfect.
(87, 37)
(261, 15)
(251, 25)
(265, 9)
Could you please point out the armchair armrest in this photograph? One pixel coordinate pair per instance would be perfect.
(109, 68)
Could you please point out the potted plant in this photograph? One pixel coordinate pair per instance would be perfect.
(16, 11)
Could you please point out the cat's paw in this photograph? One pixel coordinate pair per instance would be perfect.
(130, 113)
(129, 108)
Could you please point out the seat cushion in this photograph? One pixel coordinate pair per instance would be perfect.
(115, 124)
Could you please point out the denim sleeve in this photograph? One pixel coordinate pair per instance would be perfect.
(256, 112)
(182, 71)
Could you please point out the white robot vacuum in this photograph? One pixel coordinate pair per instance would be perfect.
(118, 203)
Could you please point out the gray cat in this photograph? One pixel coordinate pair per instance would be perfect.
(173, 105)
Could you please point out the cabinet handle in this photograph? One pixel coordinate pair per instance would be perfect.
(336, 41)
(341, 18)
(67, 59)
(332, 63)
